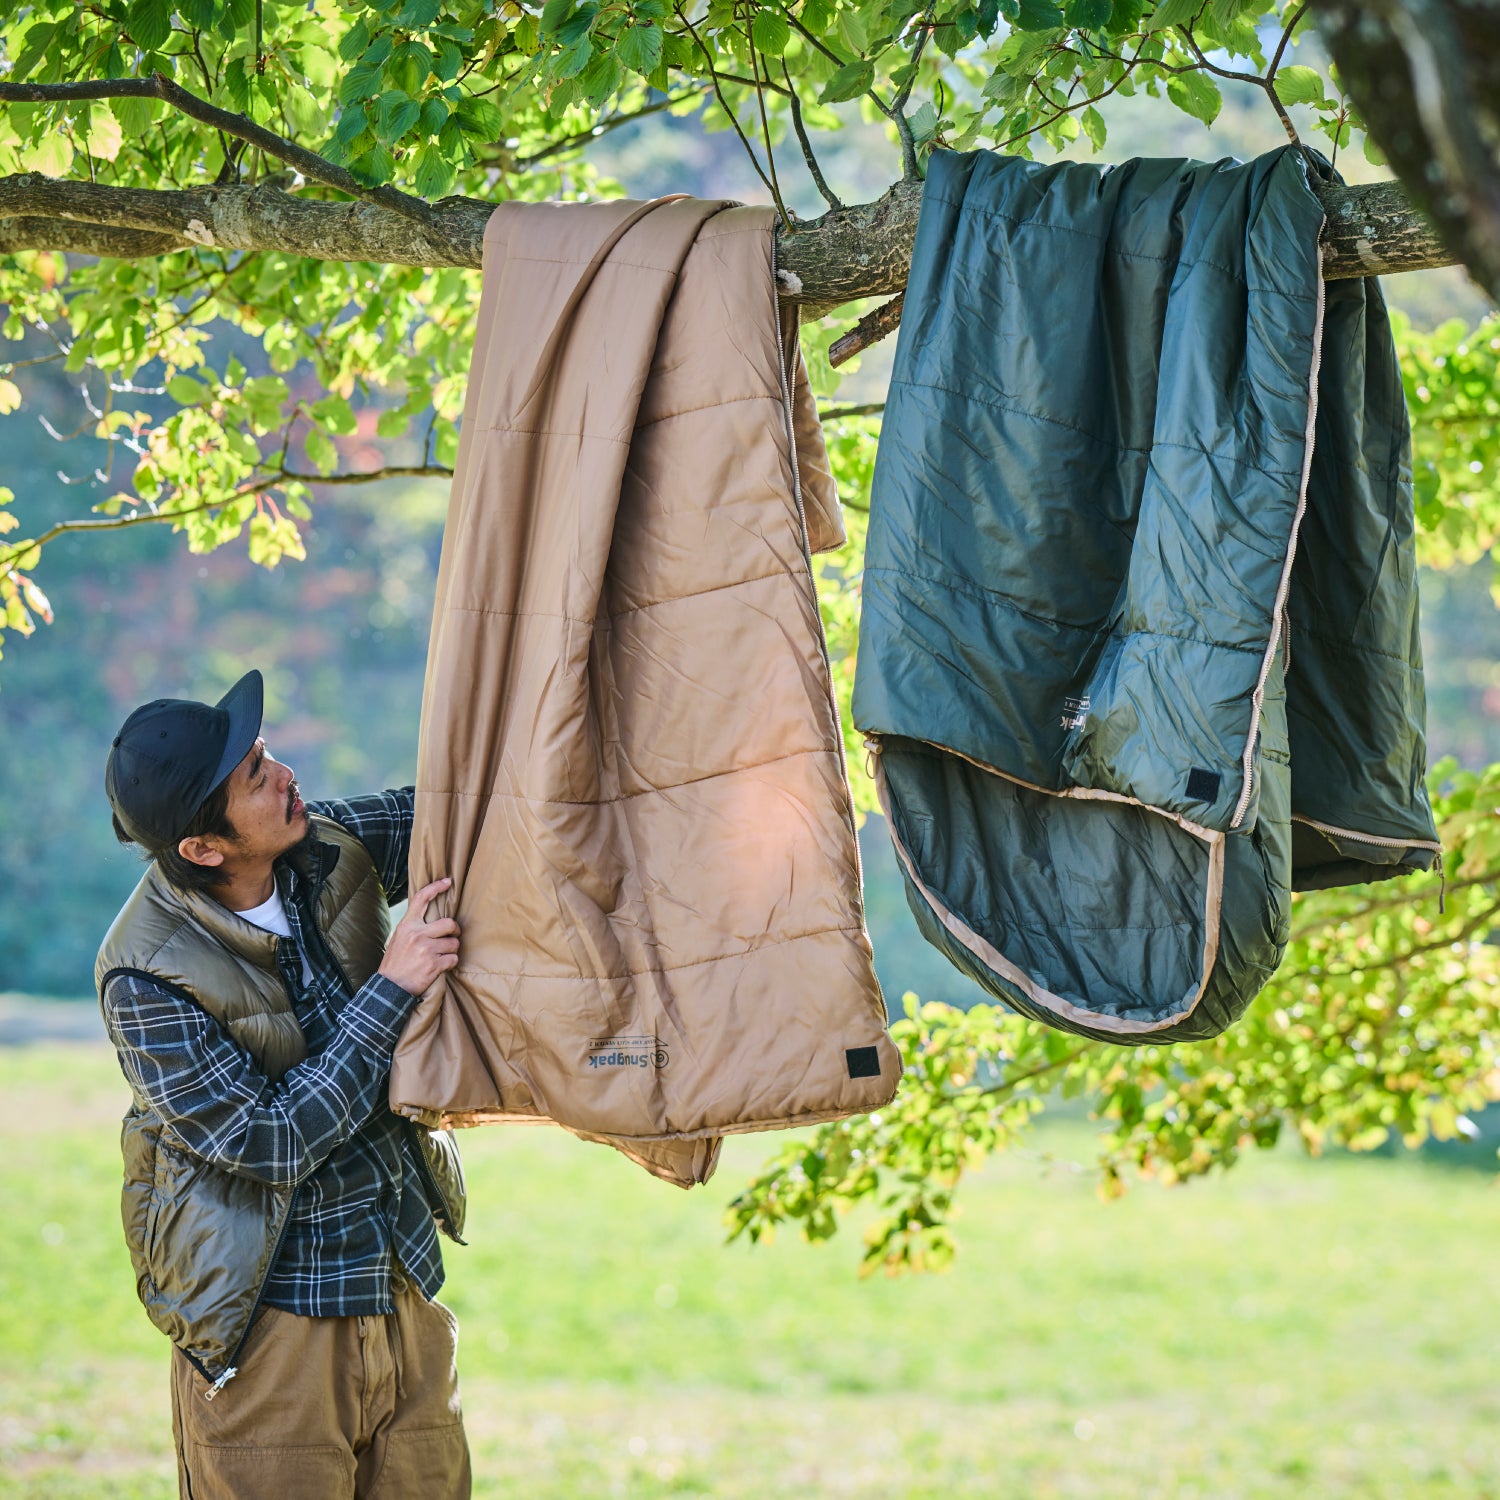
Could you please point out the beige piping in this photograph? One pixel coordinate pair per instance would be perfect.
(981, 948)
(1368, 838)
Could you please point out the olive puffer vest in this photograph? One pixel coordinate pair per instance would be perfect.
(202, 1241)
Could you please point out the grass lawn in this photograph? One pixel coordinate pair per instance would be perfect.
(1294, 1329)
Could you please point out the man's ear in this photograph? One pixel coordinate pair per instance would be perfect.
(201, 852)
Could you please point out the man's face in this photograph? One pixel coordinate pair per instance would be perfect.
(265, 807)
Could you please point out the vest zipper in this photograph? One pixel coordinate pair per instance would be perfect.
(231, 1369)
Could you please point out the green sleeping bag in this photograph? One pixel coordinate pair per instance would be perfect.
(1139, 652)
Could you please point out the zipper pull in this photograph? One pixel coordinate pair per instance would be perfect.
(872, 749)
(220, 1383)
(1442, 885)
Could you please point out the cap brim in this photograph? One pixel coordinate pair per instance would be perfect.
(245, 704)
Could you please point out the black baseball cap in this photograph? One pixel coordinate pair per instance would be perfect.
(170, 755)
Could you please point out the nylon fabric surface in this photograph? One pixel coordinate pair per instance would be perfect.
(630, 760)
(1129, 434)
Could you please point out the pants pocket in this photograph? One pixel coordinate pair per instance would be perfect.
(253, 1472)
(431, 1462)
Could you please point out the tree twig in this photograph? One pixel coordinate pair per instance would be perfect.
(829, 196)
(870, 329)
(757, 62)
(312, 166)
(583, 137)
(833, 413)
(724, 105)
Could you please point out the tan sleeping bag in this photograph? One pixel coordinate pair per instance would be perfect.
(630, 760)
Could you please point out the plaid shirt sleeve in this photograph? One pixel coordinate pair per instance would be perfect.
(382, 823)
(210, 1093)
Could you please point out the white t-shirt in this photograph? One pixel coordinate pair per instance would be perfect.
(271, 915)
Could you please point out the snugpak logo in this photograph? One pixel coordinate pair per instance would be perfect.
(627, 1052)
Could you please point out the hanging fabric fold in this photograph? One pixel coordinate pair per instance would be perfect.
(630, 760)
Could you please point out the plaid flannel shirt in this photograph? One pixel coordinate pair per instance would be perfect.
(323, 1129)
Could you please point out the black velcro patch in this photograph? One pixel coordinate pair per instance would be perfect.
(864, 1062)
(1203, 786)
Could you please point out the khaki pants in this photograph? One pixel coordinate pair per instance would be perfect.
(329, 1409)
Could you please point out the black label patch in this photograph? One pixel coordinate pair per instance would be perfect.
(864, 1062)
(1203, 786)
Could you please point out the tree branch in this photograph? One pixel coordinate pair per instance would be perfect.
(861, 251)
(312, 166)
(9, 557)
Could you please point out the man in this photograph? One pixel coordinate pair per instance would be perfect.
(281, 1220)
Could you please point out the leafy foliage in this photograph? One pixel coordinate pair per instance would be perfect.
(1452, 380)
(1384, 1018)
(491, 98)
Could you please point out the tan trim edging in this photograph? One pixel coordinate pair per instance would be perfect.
(990, 955)
(1283, 587)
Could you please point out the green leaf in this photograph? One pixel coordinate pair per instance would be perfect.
(601, 78)
(481, 118)
(554, 13)
(1225, 11)
(1039, 15)
(200, 14)
(410, 64)
(375, 167)
(52, 155)
(237, 83)
(149, 23)
(321, 452)
(1172, 13)
(33, 50)
(417, 14)
(434, 116)
(392, 423)
(1090, 15)
(434, 175)
(853, 31)
(450, 60)
(352, 124)
(924, 121)
(186, 391)
(354, 41)
(770, 32)
(1197, 94)
(10, 397)
(640, 47)
(1093, 127)
(335, 414)
(572, 60)
(362, 81)
(852, 80)
(1299, 85)
(578, 25)
(396, 114)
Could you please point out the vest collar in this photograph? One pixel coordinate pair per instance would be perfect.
(313, 862)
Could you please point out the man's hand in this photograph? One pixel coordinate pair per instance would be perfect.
(420, 950)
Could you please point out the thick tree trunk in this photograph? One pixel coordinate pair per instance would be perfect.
(860, 251)
(1426, 77)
